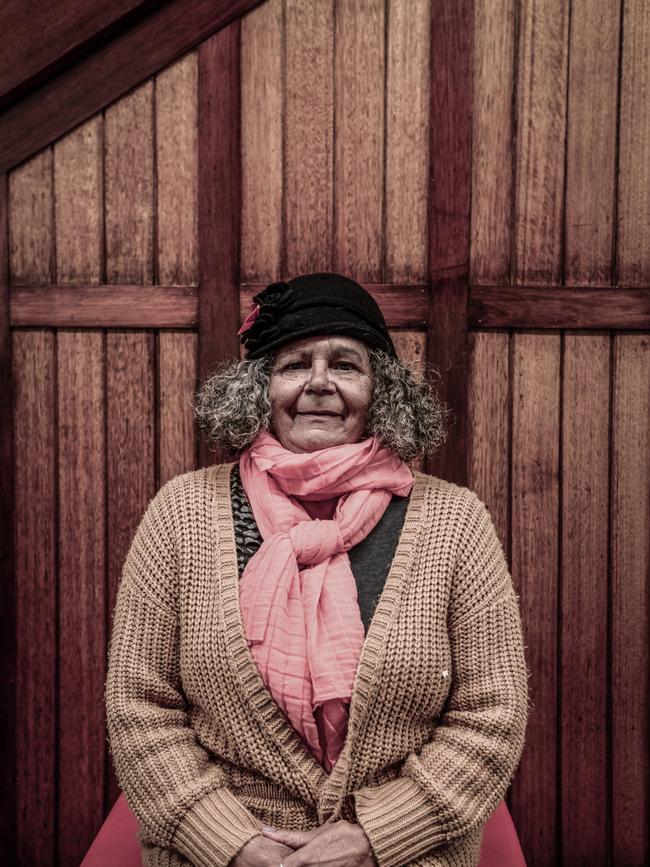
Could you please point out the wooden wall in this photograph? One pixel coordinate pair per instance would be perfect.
(333, 161)
(561, 418)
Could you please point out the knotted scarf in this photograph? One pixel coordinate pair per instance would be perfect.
(298, 596)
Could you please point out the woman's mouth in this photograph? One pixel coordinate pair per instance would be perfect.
(319, 412)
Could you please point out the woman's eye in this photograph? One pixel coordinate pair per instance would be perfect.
(344, 365)
(295, 365)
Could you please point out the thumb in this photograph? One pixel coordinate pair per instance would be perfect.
(295, 839)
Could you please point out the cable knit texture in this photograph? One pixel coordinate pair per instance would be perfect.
(438, 710)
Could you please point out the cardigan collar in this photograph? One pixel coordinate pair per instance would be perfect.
(324, 791)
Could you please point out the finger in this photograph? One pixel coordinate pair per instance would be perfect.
(295, 839)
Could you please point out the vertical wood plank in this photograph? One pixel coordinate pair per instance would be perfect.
(219, 202)
(129, 188)
(630, 603)
(634, 156)
(131, 435)
(8, 650)
(37, 744)
(131, 455)
(541, 124)
(535, 493)
(584, 598)
(494, 54)
(262, 119)
(78, 204)
(591, 141)
(178, 382)
(407, 131)
(31, 251)
(489, 425)
(449, 219)
(359, 164)
(81, 601)
(78, 198)
(176, 172)
(309, 122)
(31, 259)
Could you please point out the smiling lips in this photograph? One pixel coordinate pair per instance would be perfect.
(320, 412)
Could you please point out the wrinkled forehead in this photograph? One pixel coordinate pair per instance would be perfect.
(324, 345)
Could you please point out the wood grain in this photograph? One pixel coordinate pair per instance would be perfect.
(129, 188)
(535, 486)
(309, 132)
(34, 676)
(407, 132)
(584, 598)
(78, 197)
(78, 204)
(359, 70)
(31, 249)
(633, 253)
(177, 362)
(630, 559)
(114, 68)
(449, 219)
(541, 112)
(262, 142)
(219, 202)
(106, 306)
(494, 60)
(7, 547)
(81, 591)
(71, 28)
(488, 456)
(559, 307)
(176, 173)
(131, 437)
(131, 444)
(591, 141)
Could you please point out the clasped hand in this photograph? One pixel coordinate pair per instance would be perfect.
(338, 844)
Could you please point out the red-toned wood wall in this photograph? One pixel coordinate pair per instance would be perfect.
(483, 169)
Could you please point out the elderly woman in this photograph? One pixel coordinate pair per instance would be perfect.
(315, 638)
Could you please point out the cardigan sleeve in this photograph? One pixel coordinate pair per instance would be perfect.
(174, 787)
(449, 787)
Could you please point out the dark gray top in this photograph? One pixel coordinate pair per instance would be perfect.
(370, 560)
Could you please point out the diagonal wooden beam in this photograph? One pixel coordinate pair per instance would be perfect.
(73, 29)
(109, 72)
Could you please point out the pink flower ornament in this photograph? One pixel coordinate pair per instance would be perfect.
(250, 319)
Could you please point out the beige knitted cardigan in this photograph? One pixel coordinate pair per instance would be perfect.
(438, 713)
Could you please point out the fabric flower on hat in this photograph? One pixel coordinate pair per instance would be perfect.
(262, 323)
(250, 319)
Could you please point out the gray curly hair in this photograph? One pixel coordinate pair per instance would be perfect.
(232, 406)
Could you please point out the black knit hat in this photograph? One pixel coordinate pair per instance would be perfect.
(313, 304)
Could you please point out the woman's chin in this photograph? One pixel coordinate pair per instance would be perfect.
(315, 440)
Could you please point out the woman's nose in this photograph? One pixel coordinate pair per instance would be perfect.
(319, 377)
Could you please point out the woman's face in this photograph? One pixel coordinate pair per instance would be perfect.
(320, 392)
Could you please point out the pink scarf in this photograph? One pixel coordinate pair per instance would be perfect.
(298, 596)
